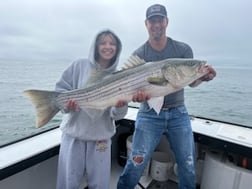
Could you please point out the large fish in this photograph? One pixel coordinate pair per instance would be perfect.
(156, 79)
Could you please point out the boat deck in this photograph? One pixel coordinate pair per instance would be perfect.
(145, 182)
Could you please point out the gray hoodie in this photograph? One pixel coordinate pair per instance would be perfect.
(88, 124)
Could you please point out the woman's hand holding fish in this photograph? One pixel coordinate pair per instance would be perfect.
(121, 103)
(72, 105)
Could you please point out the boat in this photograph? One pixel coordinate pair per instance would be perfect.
(224, 157)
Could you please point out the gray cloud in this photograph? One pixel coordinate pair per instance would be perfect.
(63, 30)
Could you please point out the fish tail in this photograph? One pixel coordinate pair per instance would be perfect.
(45, 105)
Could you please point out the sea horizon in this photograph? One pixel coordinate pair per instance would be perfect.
(226, 98)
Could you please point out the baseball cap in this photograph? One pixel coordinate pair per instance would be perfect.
(156, 10)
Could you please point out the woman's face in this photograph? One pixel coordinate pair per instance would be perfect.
(106, 48)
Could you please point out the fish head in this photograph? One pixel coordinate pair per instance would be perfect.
(182, 72)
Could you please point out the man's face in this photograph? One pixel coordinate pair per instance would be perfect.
(156, 26)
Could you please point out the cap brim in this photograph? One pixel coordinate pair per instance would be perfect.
(156, 14)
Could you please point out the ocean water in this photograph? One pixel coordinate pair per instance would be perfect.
(17, 116)
(226, 98)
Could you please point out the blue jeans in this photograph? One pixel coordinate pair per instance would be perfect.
(175, 124)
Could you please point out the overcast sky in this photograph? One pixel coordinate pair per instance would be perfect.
(63, 30)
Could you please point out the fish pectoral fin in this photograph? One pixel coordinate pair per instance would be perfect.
(160, 81)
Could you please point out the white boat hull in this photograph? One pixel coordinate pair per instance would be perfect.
(32, 163)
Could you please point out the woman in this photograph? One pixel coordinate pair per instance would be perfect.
(86, 138)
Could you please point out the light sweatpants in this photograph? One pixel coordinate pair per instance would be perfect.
(78, 157)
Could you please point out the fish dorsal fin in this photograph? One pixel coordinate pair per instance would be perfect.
(132, 62)
(95, 76)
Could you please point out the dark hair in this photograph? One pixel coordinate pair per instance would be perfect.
(118, 44)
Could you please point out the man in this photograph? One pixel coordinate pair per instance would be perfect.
(173, 120)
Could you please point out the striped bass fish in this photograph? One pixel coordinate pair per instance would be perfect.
(156, 79)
